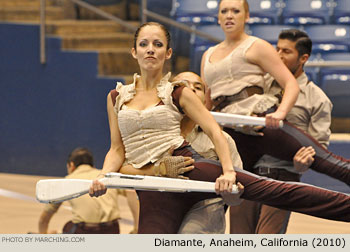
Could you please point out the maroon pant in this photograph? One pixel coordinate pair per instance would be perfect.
(163, 212)
(111, 227)
(252, 217)
(283, 144)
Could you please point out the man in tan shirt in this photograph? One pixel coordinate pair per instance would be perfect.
(90, 215)
(207, 216)
(311, 113)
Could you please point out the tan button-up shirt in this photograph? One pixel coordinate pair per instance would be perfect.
(201, 143)
(311, 113)
(86, 208)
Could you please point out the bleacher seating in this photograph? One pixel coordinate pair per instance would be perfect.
(268, 32)
(191, 13)
(200, 45)
(335, 81)
(337, 88)
(336, 57)
(162, 7)
(214, 30)
(264, 11)
(329, 38)
(196, 12)
(306, 12)
(102, 2)
(341, 12)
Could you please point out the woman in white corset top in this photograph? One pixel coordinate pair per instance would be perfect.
(144, 120)
(234, 71)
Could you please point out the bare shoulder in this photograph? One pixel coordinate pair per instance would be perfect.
(260, 46)
(259, 50)
(110, 105)
(261, 43)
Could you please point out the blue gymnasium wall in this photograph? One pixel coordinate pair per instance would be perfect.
(48, 110)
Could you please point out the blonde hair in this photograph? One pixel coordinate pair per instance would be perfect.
(245, 5)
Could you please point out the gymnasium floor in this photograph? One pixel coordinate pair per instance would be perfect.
(19, 211)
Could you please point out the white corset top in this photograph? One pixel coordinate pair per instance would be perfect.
(148, 134)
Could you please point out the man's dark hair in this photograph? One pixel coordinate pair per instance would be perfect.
(303, 42)
(81, 156)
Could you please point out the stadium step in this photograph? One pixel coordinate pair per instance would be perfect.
(116, 62)
(29, 13)
(25, 3)
(118, 10)
(89, 33)
(340, 125)
(97, 41)
(75, 27)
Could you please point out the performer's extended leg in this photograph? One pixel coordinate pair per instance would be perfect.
(295, 196)
(284, 143)
(164, 212)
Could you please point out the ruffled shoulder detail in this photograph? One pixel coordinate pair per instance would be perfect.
(164, 89)
(126, 93)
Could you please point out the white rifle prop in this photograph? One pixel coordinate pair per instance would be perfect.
(57, 190)
(232, 120)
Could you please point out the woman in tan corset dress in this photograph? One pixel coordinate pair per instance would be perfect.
(234, 71)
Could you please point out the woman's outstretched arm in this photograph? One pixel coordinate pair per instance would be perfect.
(115, 156)
(264, 55)
(195, 109)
